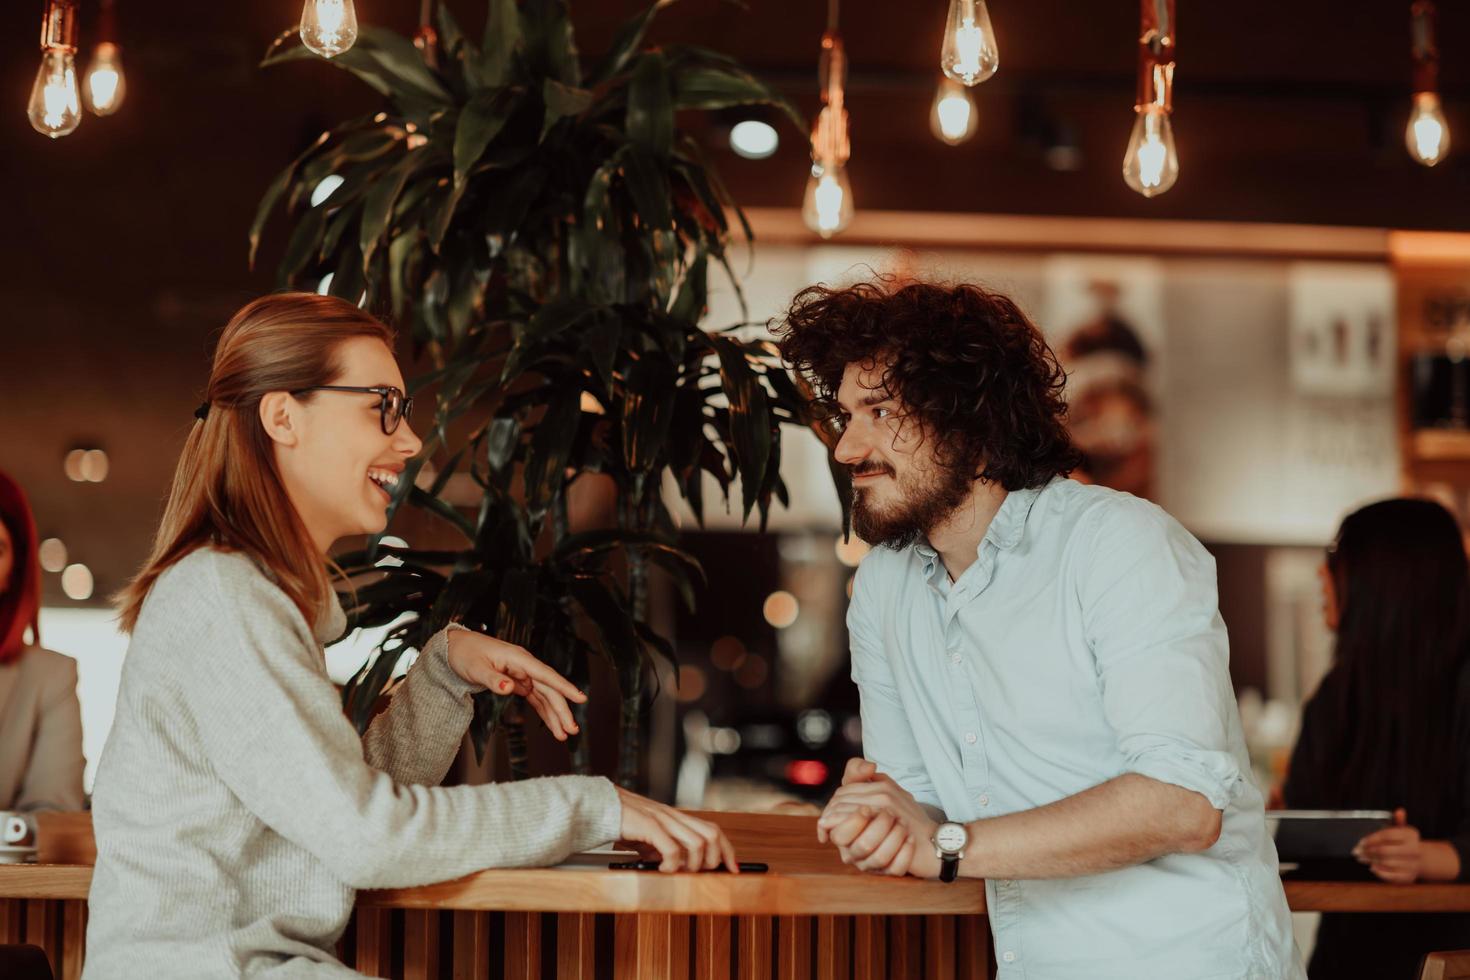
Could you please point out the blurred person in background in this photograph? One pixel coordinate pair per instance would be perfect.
(40, 718)
(1389, 729)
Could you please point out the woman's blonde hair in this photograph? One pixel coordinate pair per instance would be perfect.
(226, 490)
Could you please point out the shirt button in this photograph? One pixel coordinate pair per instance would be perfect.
(984, 800)
(955, 658)
(1008, 956)
(970, 737)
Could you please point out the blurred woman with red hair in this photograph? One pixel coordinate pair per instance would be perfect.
(40, 719)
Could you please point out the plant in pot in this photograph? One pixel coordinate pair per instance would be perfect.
(547, 234)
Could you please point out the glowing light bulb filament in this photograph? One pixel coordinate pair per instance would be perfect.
(968, 40)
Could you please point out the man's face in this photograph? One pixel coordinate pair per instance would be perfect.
(900, 491)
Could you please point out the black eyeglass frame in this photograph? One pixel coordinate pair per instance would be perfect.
(384, 393)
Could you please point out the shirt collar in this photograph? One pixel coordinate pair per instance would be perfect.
(1005, 530)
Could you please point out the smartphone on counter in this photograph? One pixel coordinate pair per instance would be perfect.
(746, 867)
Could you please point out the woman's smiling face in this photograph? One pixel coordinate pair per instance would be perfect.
(338, 466)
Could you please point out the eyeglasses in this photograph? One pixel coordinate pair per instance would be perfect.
(394, 405)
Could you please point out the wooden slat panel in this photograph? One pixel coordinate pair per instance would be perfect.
(905, 939)
(754, 953)
(576, 946)
(939, 947)
(832, 947)
(42, 919)
(374, 944)
(712, 947)
(421, 944)
(870, 947)
(972, 947)
(652, 947)
(11, 919)
(795, 947)
(470, 956)
(522, 946)
(73, 940)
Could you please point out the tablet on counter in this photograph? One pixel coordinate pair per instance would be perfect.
(1314, 834)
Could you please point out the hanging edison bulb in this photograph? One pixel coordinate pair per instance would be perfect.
(827, 206)
(1151, 164)
(55, 107)
(328, 27)
(969, 55)
(952, 117)
(1427, 134)
(104, 86)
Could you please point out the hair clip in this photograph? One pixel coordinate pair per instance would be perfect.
(202, 412)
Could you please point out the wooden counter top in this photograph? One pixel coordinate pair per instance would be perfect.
(805, 879)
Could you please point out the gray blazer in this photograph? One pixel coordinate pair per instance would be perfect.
(40, 733)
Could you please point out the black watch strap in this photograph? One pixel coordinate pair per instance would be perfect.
(949, 867)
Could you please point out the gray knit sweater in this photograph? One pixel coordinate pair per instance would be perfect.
(236, 810)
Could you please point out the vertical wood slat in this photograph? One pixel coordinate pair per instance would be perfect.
(42, 917)
(470, 954)
(712, 947)
(73, 939)
(12, 920)
(651, 947)
(832, 947)
(939, 946)
(576, 945)
(755, 947)
(523, 946)
(374, 942)
(795, 947)
(421, 944)
(904, 942)
(972, 947)
(870, 947)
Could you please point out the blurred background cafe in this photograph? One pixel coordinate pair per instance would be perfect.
(1250, 251)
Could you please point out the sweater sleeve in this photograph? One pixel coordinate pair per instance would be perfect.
(270, 723)
(53, 777)
(415, 739)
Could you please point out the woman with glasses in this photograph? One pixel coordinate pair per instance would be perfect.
(1389, 728)
(40, 718)
(236, 810)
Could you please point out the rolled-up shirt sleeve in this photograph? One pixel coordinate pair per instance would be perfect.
(1150, 610)
(888, 738)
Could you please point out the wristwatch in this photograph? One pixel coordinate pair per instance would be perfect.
(950, 840)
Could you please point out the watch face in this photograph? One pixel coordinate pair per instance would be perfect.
(951, 837)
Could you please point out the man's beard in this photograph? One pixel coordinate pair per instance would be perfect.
(914, 514)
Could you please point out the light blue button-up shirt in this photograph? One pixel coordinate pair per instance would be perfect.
(1084, 642)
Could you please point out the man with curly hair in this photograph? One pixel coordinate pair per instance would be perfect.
(1044, 673)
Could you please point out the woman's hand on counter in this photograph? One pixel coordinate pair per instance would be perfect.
(1395, 853)
(1399, 855)
(681, 842)
(507, 669)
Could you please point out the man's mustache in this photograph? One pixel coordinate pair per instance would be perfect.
(871, 469)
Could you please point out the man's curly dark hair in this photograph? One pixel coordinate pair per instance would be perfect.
(962, 359)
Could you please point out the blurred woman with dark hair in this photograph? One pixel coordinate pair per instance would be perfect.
(40, 720)
(1389, 727)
